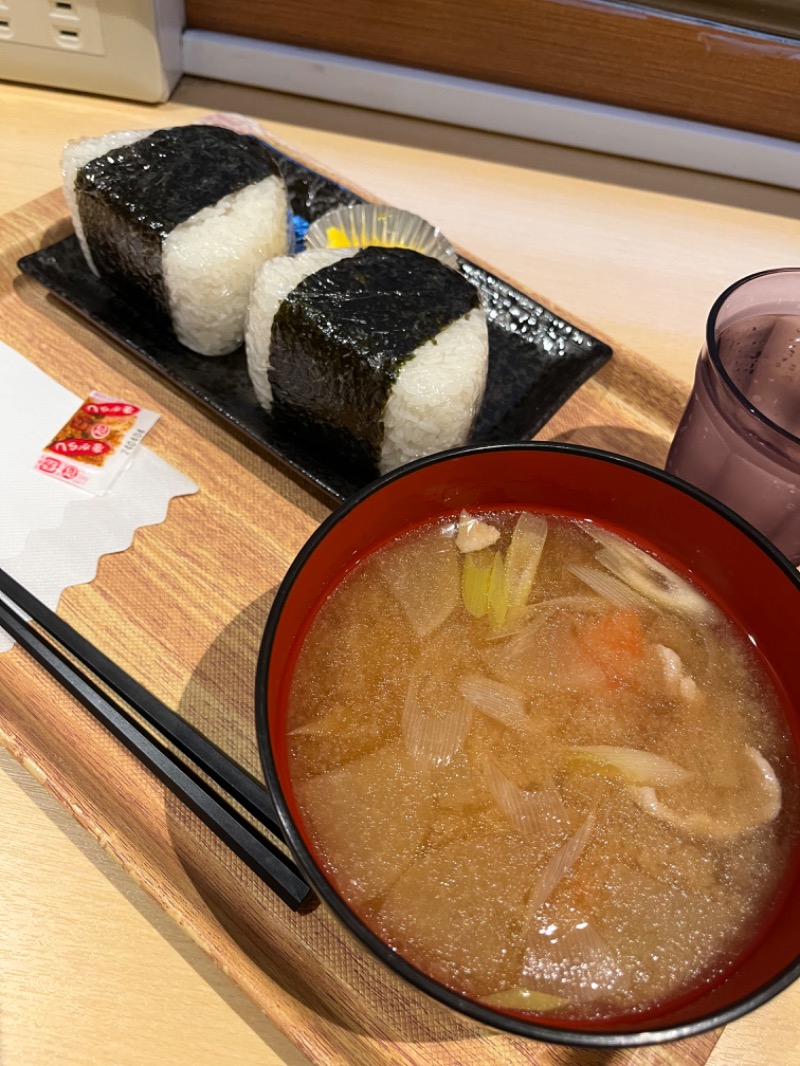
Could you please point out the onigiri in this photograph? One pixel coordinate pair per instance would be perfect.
(182, 216)
(380, 354)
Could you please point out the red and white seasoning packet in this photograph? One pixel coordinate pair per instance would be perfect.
(97, 443)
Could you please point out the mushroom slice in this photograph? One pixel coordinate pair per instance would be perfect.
(648, 576)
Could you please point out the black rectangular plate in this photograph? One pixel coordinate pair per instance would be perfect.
(536, 359)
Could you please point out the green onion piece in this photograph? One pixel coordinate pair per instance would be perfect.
(519, 998)
(498, 593)
(616, 592)
(475, 575)
(523, 557)
(433, 734)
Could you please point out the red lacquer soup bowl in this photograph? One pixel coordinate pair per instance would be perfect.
(753, 584)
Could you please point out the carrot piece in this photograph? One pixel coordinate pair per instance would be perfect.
(615, 642)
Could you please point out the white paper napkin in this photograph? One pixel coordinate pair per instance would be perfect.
(51, 533)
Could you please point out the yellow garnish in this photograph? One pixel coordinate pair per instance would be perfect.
(337, 238)
(475, 575)
(524, 999)
(498, 593)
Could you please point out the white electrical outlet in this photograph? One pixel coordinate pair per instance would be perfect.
(73, 25)
(128, 48)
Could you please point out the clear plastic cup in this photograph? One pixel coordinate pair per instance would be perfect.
(739, 437)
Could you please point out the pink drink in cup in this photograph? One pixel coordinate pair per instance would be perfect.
(739, 437)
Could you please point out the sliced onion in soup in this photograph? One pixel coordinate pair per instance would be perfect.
(424, 577)
(506, 705)
(616, 592)
(559, 866)
(633, 764)
(531, 814)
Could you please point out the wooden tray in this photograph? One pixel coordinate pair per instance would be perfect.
(183, 611)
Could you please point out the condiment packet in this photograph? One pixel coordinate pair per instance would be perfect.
(97, 443)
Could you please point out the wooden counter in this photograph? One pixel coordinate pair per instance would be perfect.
(91, 969)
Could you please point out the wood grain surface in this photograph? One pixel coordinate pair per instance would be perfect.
(639, 251)
(630, 56)
(131, 987)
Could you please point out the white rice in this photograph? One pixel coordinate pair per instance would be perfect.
(77, 154)
(272, 284)
(437, 393)
(209, 262)
(439, 388)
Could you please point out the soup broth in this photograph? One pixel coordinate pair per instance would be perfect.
(540, 766)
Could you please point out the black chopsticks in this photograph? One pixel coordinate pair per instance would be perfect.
(239, 784)
(255, 849)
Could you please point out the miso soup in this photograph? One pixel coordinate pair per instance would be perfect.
(541, 766)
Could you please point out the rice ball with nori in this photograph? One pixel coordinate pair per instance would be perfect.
(185, 216)
(378, 353)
